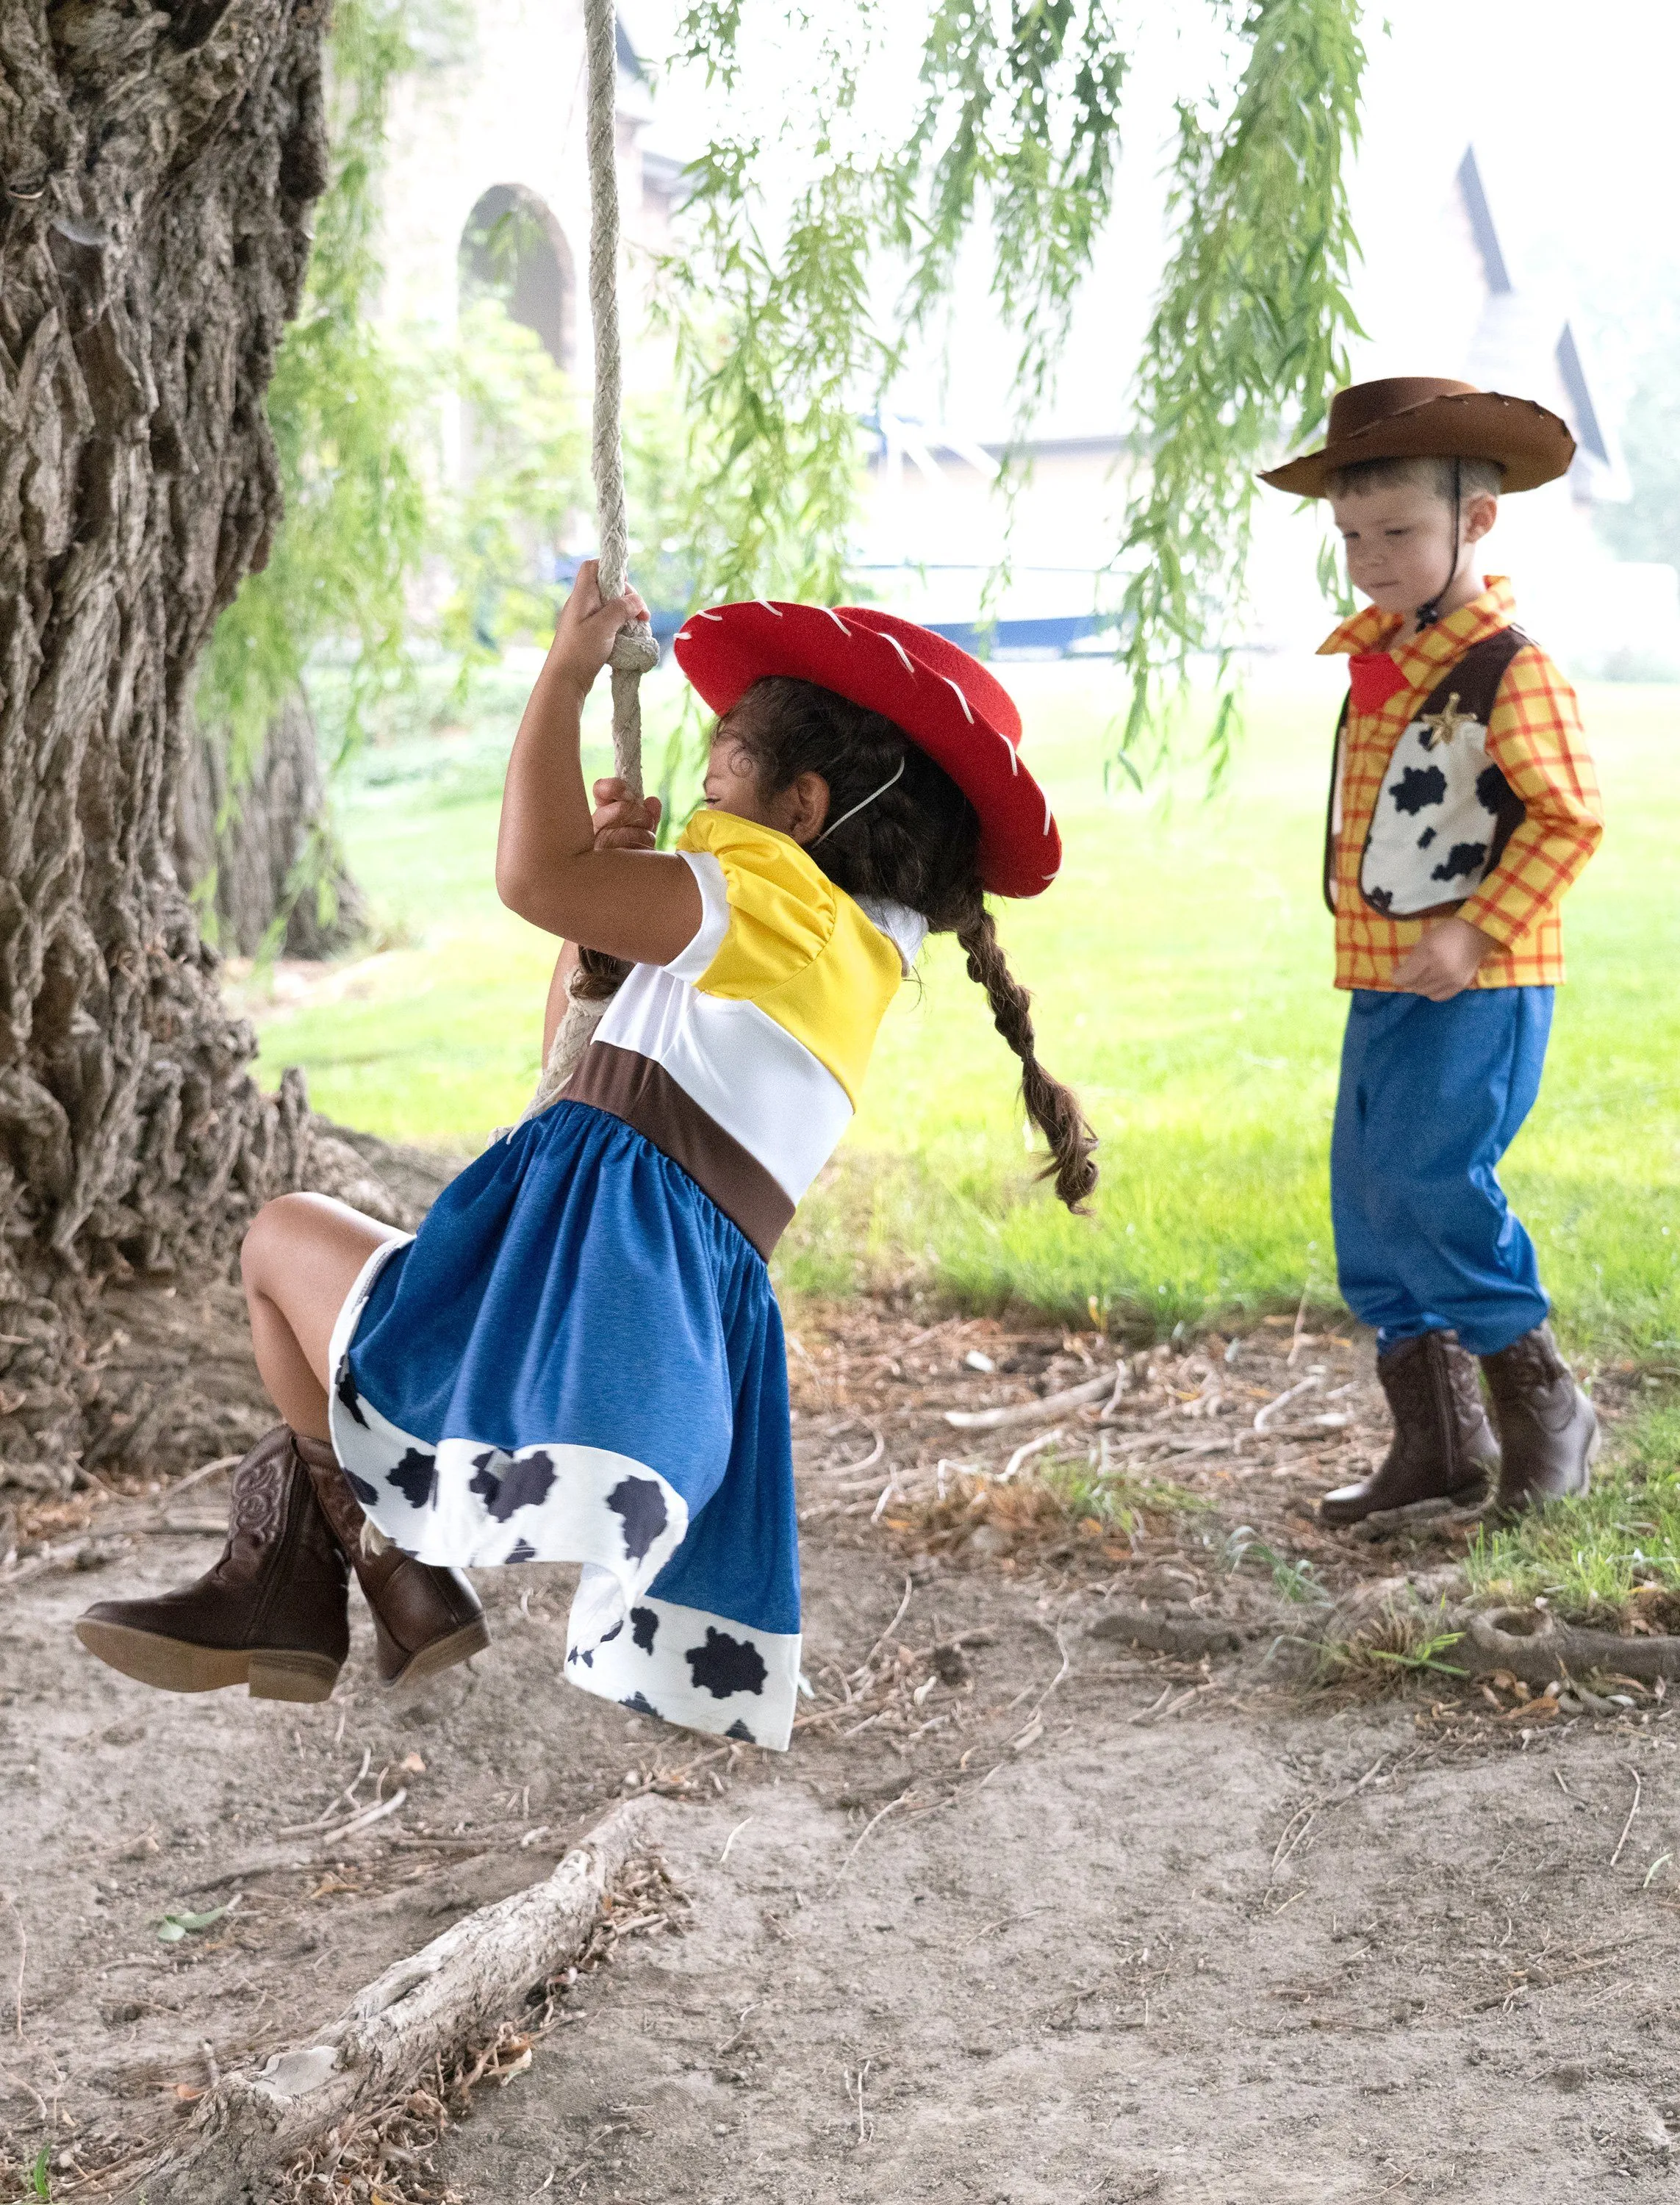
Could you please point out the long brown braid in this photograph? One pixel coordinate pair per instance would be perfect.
(914, 844)
(1054, 1108)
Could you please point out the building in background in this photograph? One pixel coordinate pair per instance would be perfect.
(942, 543)
(1489, 326)
(495, 129)
(485, 184)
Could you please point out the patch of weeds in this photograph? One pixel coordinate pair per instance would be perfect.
(1058, 1494)
(1294, 1577)
(179, 1923)
(1396, 1645)
(1113, 1498)
(1611, 1557)
(38, 2178)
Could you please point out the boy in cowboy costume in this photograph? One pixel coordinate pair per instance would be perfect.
(1463, 805)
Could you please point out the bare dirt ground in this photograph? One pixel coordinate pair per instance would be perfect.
(1029, 1913)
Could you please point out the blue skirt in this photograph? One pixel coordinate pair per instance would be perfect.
(578, 1358)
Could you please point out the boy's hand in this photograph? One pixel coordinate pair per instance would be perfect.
(588, 623)
(622, 821)
(1444, 963)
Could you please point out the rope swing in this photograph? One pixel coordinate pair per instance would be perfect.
(634, 652)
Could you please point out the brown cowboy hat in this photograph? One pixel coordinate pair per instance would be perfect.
(1425, 417)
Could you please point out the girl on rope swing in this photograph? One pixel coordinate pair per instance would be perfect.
(579, 1357)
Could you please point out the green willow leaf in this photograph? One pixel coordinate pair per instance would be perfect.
(1246, 343)
(793, 306)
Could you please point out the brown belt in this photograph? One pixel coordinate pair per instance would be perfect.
(644, 1094)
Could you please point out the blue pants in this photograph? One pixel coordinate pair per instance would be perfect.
(1432, 1097)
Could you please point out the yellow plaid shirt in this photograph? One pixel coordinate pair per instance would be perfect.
(1533, 737)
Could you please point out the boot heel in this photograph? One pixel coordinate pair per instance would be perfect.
(443, 1653)
(282, 1674)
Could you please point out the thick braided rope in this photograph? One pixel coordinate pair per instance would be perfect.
(635, 652)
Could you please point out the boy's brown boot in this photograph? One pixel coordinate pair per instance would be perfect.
(1548, 1429)
(272, 1612)
(424, 1619)
(1444, 1447)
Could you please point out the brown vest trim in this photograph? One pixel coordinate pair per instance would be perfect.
(633, 1087)
(1475, 682)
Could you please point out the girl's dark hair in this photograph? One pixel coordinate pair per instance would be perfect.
(916, 844)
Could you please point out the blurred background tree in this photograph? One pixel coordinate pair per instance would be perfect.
(254, 840)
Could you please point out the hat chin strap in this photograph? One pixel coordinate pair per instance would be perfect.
(867, 801)
(1428, 614)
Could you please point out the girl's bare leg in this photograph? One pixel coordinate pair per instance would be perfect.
(300, 1260)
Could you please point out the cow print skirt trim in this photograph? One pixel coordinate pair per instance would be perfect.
(705, 1672)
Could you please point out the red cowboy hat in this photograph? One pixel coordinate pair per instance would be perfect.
(945, 701)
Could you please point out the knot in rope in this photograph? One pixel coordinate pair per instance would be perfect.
(634, 650)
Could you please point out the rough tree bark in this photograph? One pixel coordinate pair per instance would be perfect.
(275, 812)
(157, 167)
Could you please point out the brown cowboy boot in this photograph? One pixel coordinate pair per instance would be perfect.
(1444, 1447)
(1548, 1429)
(272, 1612)
(424, 1619)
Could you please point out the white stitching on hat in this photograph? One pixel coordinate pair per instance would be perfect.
(835, 617)
(1014, 756)
(768, 606)
(961, 699)
(710, 617)
(683, 637)
(1048, 822)
(900, 648)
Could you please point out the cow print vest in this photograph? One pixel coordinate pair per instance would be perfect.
(1445, 812)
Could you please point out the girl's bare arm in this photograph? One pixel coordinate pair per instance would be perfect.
(621, 822)
(641, 905)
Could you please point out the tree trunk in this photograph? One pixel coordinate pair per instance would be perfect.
(157, 169)
(274, 856)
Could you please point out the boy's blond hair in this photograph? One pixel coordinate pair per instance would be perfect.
(1477, 477)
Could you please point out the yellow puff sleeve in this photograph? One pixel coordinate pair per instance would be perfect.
(797, 946)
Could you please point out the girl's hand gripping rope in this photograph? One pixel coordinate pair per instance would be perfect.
(586, 629)
(625, 897)
(624, 822)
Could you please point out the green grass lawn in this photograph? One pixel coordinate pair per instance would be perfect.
(1180, 971)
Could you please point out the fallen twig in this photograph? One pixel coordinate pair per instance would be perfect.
(204, 1471)
(1122, 1381)
(865, 1832)
(1027, 1450)
(273, 1859)
(1628, 1825)
(1264, 1416)
(1298, 1335)
(864, 1462)
(863, 1669)
(369, 1815)
(1022, 1413)
(22, 1963)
